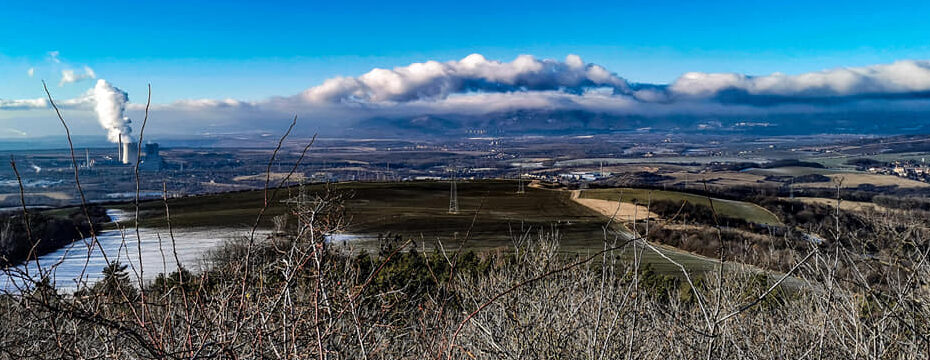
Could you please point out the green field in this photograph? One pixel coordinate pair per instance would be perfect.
(839, 162)
(735, 209)
(420, 210)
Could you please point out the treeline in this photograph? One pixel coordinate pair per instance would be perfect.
(689, 212)
(897, 202)
(739, 166)
(46, 233)
(770, 247)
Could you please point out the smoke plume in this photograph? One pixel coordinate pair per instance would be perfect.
(109, 104)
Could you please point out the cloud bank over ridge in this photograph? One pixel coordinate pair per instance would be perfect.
(476, 86)
(474, 73)
(901, 77)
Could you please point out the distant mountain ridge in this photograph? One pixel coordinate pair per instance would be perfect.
(574, 122)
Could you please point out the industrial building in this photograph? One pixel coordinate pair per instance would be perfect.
(152, 160)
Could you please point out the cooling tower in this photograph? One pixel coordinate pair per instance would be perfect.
(130, 153)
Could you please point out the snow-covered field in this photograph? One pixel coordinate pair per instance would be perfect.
(82, 262)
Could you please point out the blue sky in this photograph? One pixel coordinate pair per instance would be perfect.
(253, 50)
(244, 66)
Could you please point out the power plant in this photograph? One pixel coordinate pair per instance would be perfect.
(129, 153)
(88, 162)
(110, 105)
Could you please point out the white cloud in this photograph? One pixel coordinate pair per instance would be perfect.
(906, 76)
(23, 104)
(69, 76)
(195, 104)
(54, 56)
(475, 86)
(31, 72)
(14, 132)
(474, 73)
(80, 102)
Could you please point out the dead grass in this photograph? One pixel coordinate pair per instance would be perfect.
(851, 180)
(736, 209)
(626, 212)
(50, 195)
(844, 205)
(722, 178)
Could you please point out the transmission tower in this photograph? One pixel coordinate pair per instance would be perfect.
(520, 188)
(453, 196)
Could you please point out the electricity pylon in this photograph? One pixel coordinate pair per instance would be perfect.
(453, 196)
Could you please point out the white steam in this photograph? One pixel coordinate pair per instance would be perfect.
(109, 104)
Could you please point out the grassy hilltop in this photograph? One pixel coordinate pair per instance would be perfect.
(491, 215)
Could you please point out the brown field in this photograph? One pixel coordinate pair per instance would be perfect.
(851, 180)
(50, 195)
(736, 209)
(626, 211)
(719, 178)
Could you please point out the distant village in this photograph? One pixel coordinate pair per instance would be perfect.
(910, 169)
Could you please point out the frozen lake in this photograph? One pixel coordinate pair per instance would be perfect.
(76, 264)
